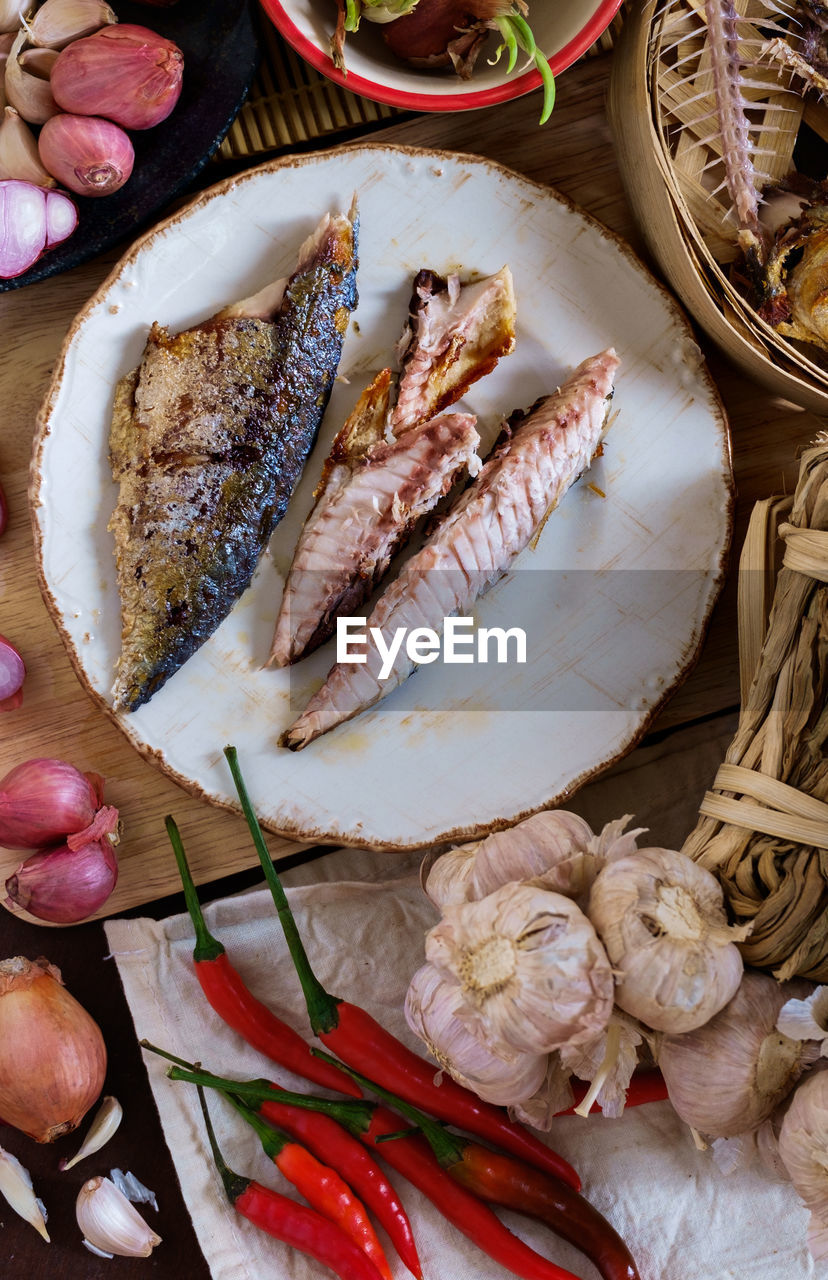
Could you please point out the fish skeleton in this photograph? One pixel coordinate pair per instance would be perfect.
(527, 475)
(374, 490)
(208, 440)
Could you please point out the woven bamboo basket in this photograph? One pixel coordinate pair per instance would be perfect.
(662, 111)
(763, 828)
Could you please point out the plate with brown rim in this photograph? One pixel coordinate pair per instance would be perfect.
(614, 595)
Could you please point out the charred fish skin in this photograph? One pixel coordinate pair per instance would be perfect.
(525, 478)
(373, 493)
(209, 437)
(455, 334)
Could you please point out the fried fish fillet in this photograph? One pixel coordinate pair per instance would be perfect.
(528, 474)
(208, 440)
(374, 490)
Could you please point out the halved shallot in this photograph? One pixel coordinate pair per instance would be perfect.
(12, 672)
(32, 220)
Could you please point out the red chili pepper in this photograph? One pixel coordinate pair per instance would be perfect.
(321, 1186)
(359, 1040)
(229, 997)
(292, 1223)
(333, 1144)
(328, 1140)
(414, 1159)
(502, 1180)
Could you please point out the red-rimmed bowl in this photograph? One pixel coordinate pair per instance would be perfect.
(564, 29)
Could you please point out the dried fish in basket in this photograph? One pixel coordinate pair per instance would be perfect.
(695, 162)
(764, 824)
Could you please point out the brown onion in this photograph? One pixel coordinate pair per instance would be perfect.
(127, 73)
(91, 157)
(52, 1053)
(64, 885)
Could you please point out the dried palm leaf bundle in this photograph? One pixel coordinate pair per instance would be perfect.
(712, 102)
(764, 824)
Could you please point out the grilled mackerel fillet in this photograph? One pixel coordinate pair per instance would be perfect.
(208, 440)
(528, 474)
(375, 490)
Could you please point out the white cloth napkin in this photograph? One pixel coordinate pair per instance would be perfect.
(363, 924)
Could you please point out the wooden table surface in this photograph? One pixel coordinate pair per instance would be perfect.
(57, 718)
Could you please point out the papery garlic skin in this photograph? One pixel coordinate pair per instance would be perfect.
(729, 1076)
(609, 1061)
(110, 1223)
(803, 1148)
(532, 971)
(662, 920)
(430, 1011)
(807, 1019)
(554, 1096)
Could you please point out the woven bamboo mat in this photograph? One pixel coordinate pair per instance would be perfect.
(291, 104)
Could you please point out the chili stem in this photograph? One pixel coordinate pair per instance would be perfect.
(447, 1149)
(234, 1184)
(207, 947)
(321, 1005)
(355, 1116)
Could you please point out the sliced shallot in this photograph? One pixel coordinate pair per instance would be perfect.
(25, 228)
(12, 675)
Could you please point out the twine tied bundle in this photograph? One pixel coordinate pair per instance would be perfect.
(764, 824)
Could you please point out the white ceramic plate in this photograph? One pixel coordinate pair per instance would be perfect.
(614, 597)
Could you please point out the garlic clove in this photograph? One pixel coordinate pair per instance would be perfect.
(38, 62)
(58, 22)
(11, 14)
(26, 91)
(16, 1188)
(107, 1119)
(19, 157)
(110, 1223)
(446, 879)
(500, 1078)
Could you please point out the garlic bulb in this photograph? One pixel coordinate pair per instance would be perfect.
(430, 1011)
(110, 1223)
(661, 918)
(446, 879)
(554, 849)
(530, 967)
(729, 1076)
(803, 1147)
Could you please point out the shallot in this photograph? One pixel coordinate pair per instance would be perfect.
(64, 885)
(126, 73)
(12, 675)
(32, 220)
(52, 1053)
(91, 157)
(44, 801)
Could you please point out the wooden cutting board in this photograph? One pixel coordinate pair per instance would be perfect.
(57, 718)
